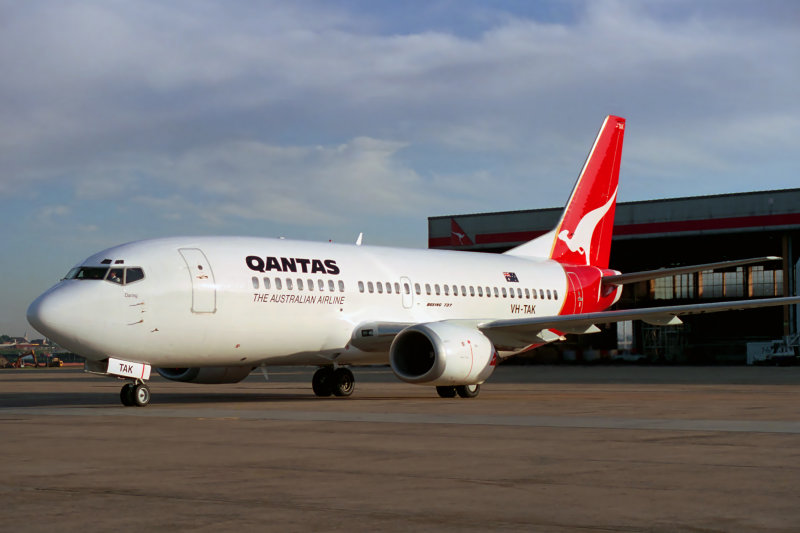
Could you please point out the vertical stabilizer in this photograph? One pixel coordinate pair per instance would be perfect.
(583, 235)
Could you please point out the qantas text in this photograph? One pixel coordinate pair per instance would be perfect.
(291, 264)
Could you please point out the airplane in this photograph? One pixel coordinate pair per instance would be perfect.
(212, 309)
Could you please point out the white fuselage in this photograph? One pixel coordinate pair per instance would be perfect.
(236, 301)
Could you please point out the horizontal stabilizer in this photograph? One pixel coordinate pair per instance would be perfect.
(633, 277)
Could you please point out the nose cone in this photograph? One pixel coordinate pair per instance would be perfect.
(50, 315)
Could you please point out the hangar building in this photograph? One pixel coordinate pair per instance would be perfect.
(666, 233)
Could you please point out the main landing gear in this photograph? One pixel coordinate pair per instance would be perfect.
(465, 391)
(135, 394)
(327, 381)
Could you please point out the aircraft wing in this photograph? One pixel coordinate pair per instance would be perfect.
(521, 332)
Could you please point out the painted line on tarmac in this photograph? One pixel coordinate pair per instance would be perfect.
(582, 422)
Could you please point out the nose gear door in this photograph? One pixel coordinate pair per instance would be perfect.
(204, 289)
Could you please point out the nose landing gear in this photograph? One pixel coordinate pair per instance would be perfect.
(135, 394)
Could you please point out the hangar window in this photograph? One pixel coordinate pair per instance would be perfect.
(266, 283)
(360, 286)
(255, 282)
(765, 282)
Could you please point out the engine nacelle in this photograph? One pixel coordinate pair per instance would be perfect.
(209, 374)
(440, 353)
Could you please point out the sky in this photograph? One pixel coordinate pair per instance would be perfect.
(318, 120)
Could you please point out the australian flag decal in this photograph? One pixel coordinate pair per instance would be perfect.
(510, 276)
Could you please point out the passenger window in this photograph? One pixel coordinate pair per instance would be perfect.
(503, 290)
(407, 288)
(417, 289)
(541, 294)
(341, 286)
(278, 283)
(380, 287)
(255, 282)
(360, 286)
(266, 283)
(519, 292)
(496, 293)
(289, 283)
(455, 290)
(321, 285)
(370, 287)
(388, 288)
(299, 284)
(436, 289)
(397, 287)
(463, 290)
(510, 292)
(331, 287)
(555, 294)
(548, 294)
(527, 294)
(534, 293)
(428, 289)
(447, 290)
(310, 284)
(480, 291)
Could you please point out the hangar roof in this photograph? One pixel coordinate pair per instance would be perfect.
(693, 215)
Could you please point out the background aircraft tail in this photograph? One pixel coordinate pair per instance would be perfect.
(583, 235)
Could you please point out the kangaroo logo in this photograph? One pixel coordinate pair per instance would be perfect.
(581, 239)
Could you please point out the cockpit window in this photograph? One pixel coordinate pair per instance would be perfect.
(133, 274)
(88, 273)
(120, 276)
(116, 275)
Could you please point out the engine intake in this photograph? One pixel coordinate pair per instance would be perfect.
(441, 353)
(209, 374)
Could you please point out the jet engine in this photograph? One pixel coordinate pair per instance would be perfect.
(209, 374)
(442, 354)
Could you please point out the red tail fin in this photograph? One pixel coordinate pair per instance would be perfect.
(583, 235)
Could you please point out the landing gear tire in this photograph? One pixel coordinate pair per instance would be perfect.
(342, 382)
(126, 394)
(321, 383)
(141, 395)
(446, 392)
(468, 391)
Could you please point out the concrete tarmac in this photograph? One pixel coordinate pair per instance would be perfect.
(541, 449)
